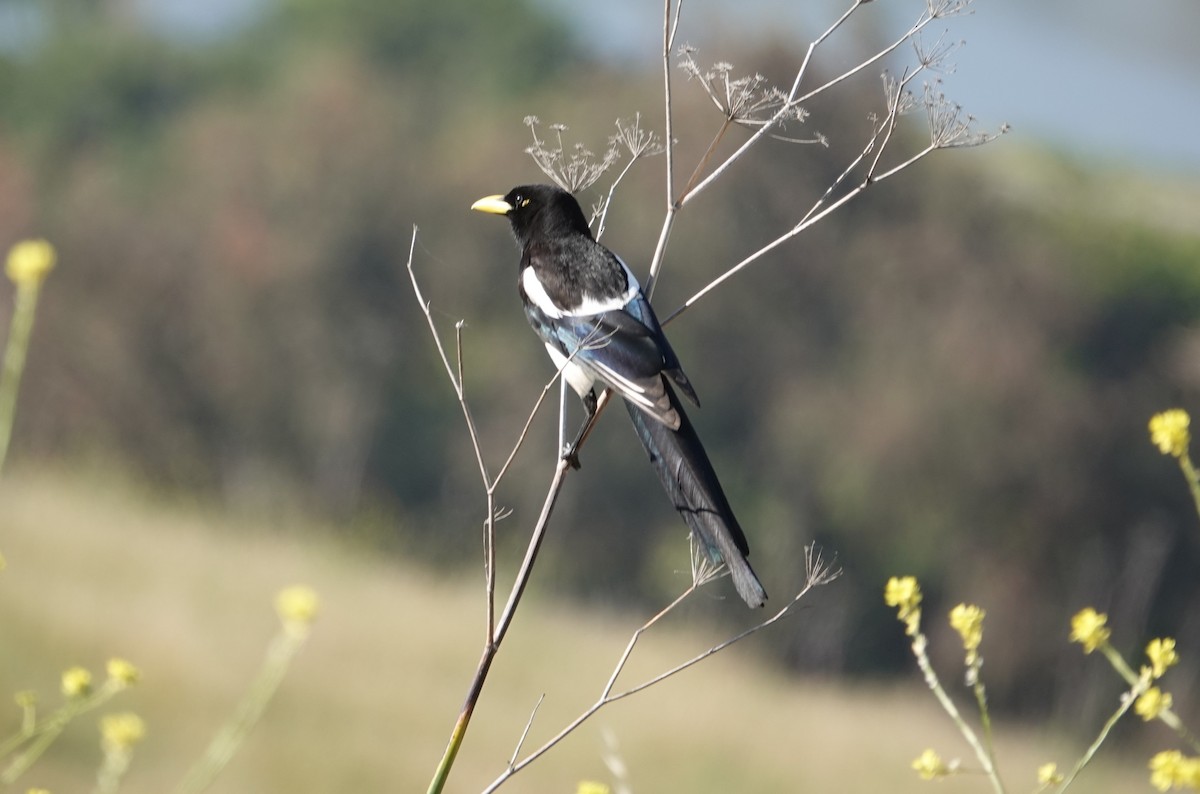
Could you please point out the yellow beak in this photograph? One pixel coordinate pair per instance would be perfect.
(496, 205)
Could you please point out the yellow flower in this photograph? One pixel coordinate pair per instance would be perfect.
(29, 261)
(26, 699)
(1048, 774)
(1152, 703)
(297, 608)
(1162, 656)
(591, 787)
(122, 672)
(76, 682)
(904, 593)
(1088, 629)
(1169, 432)
(968, 622)
(120, 732)
(37, 791)
(1171, 769)
(929, 765)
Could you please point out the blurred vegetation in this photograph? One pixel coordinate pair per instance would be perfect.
(186, 591)
(950, 379)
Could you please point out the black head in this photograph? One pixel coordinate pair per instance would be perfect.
(537, 211)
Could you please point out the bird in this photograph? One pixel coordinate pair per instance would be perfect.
(588, 308)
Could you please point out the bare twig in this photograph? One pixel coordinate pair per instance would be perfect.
(944, 134)
(818, 573)
(496, 629)
(670, 28)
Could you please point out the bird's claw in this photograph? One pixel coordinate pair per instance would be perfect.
(571, 456)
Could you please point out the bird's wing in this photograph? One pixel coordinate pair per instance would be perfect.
(616, 349)
(641, 310)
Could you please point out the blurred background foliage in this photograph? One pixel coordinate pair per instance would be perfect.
(949, 379)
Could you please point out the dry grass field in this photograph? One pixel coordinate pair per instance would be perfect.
(98, 568)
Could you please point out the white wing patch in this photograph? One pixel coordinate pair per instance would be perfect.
(588, 306)
(579, 379)
(537, 294)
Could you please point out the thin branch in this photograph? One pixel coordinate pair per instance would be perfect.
(455, 381)
(537, 405)
(670, 28)
(818, 573)
(779, 115)
(525, 733)
(819, 211)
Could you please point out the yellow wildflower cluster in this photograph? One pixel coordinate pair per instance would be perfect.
(29, 261)
(1152, 703)
(1169, 432)
(903, 593)
(1048, 775)
(1162, 656)
(1088, 629)
(122, 673)
(967, 620)
(1171, 769)
(76, 682)
(591, 787)
(120, 732)
(929, 765)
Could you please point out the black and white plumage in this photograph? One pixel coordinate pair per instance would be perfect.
(598, 327)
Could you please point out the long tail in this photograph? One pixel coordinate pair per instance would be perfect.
(692, 485)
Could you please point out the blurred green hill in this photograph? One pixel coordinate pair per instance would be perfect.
(951, 378)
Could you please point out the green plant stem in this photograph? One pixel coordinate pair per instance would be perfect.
(985, 718)
(14, 361)
(1130, 698)
(116, 764)
(1193, 478)
(37, 736)
(1168, 717)
(931, 680)
(283, 649)
(41, 739)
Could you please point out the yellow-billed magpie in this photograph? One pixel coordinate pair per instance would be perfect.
(588, 308)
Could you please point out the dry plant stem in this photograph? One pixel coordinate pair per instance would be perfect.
(670, 28)
(708, 154)
(794, 98)
(787, 106)
(496, 628)
(611, 190)
(931, 680)
(492, 646)
(607, 696)
(512, 759)
(820, 210)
